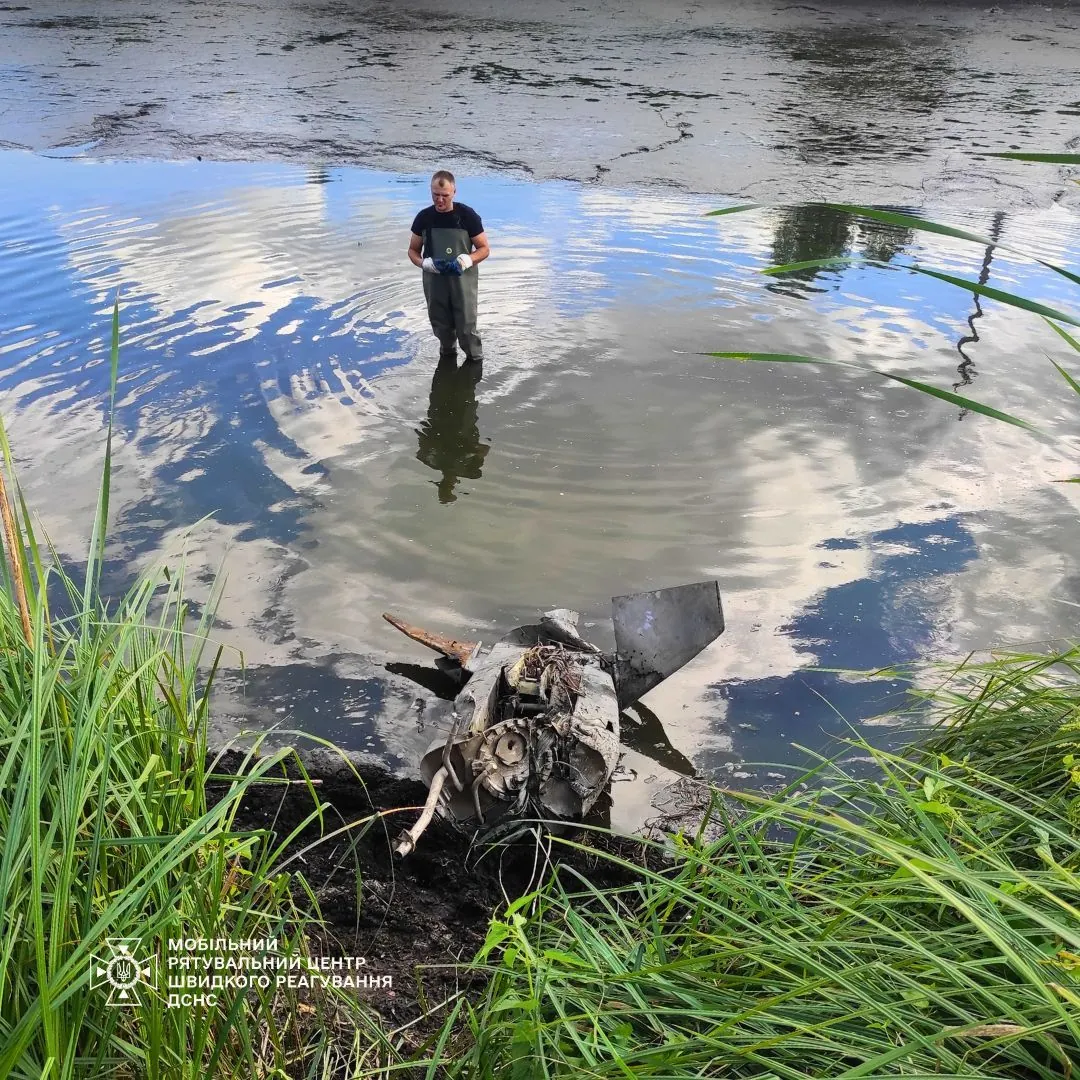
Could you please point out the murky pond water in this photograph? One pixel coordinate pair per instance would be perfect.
(279, 404)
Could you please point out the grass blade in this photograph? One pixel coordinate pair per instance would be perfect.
(742, 207)
(96, 555)
(925, 388)
(1012, 299)
(913, 221)
(1048, 159)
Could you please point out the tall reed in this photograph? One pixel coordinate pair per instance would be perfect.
(108, 831)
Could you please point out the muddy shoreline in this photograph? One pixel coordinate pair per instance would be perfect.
(420, 919)
(850, 101)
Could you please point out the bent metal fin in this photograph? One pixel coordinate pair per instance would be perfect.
(462, 652)
(657, 632)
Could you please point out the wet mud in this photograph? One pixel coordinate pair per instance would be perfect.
(419, 919)
(775, 102)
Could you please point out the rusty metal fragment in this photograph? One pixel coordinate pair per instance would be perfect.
(461, 651)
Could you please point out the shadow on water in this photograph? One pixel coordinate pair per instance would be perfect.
(648, 737)
(449, 439)
(314, 695)
(441, 684)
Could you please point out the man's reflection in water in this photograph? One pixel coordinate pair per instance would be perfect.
(449, 439)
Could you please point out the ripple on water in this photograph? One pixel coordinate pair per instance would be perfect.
(277, 372)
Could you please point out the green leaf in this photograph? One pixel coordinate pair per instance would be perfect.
(810, 264)
(497, 933)
(776, 358)
(1048, 159)
(564, 958)
(151, 764)
(1065, 334)
(101, 518)
(925, 388)
(912, 221)
(511, 1001)
(444, 1036)
(916, 998)
(1000, 295)
(963, 402)
(1067, 377)
(733, 209)
(916, 864)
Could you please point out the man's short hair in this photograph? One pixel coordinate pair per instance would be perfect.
(443, 175)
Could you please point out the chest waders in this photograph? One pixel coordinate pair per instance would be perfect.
(451, 299)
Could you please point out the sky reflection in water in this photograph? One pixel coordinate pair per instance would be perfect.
(278, 374)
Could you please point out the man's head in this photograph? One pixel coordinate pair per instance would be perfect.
(443, 189)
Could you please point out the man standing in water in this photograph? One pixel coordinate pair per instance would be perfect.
(447, 242)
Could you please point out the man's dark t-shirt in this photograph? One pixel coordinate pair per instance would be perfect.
(461, 217)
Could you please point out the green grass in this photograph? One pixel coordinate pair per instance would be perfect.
(925, 921)
(107, 830)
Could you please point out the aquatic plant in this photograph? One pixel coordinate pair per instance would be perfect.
(114, 838)
(1054, 317)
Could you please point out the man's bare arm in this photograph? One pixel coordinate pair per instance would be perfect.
(480, 248)
(416, 246)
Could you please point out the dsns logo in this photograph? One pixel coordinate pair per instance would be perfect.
(122, 970)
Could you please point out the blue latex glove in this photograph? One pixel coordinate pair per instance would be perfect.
(448, 266)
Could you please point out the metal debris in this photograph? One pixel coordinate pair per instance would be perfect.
(536, 728)
(656, 633)
(461, 651)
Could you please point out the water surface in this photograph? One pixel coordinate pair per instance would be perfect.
(280, 416)
(780, 102)
(280, 406)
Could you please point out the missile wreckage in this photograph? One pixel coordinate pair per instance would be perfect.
(535, 729)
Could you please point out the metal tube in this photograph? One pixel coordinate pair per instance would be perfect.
(407, 842)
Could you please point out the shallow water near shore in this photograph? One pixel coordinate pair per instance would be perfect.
(278, 381)
(279, 406)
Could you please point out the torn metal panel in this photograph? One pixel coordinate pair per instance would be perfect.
(561, 625)
(657, 632)
(536, 727)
